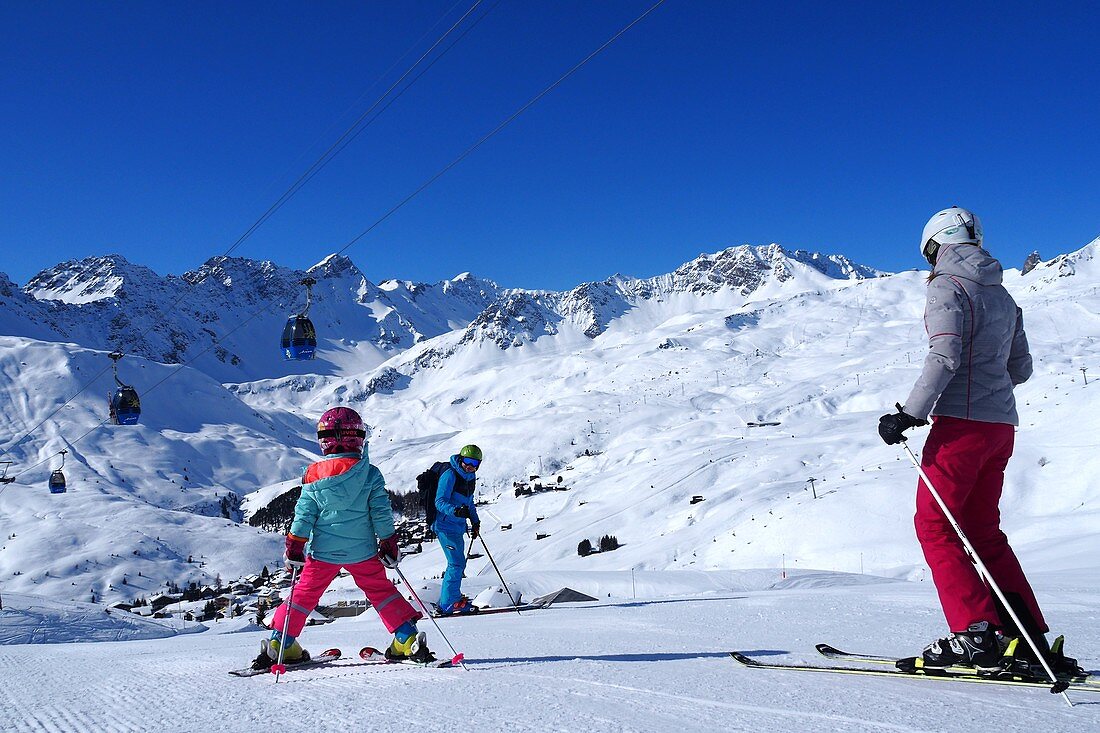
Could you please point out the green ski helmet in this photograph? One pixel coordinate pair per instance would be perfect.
(470, 451)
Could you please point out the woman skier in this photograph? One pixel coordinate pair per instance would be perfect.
(978, 352)
(454, 504)
(344, 514)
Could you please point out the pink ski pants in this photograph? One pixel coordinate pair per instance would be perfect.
(369, 575)
(965, 461)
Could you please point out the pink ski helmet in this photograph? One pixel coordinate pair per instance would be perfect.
(341, 430)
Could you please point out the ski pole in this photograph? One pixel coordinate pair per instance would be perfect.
(279, 668)
(494, 562)
(457, 657)
(1059, 686)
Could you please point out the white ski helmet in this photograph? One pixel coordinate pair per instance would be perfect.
(950, 226)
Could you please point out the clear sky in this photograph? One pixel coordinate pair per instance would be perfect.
(162, 131)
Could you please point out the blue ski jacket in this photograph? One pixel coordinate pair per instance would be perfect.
(455, 489)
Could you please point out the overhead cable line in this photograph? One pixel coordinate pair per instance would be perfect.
(508, 120)
(466, 153)
(355, 105)
(351, 133)
(174, 372)
(342, 142)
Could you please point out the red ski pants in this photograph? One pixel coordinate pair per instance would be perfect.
(369, 575)
(965, 461)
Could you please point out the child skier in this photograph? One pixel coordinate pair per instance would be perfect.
(454, 504)
(978, 352)
(345, 515)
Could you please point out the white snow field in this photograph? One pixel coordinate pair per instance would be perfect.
(622, 664)
(693, 416)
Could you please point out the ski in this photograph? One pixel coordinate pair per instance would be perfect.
(831, 652)
(488, 611)
(374, 656)
(912, 665)
(325, 657)
(897, 673)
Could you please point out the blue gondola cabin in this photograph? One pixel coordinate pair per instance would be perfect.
(125, 406)
(299, 340)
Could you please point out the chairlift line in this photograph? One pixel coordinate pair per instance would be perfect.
(124, 402)
(325, 158)
(152, 387)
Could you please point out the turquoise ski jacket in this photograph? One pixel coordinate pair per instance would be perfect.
(344, 509)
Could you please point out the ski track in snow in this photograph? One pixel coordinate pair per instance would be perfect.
(653, 664)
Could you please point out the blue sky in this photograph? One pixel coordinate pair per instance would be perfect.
(162, 131)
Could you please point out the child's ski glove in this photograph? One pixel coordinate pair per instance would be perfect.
(388, 551)
(295, 551)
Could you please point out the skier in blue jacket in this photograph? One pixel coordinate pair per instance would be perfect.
(454, 505)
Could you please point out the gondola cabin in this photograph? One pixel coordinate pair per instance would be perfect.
(125, 406)
(57, 482)
(299, 340)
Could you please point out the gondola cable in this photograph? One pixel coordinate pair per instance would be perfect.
(404, 201)
(492, 133)
(153, 387)
(323, 160)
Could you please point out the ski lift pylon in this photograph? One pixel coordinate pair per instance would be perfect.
(299, 342)
(123, 403)
(57, 478)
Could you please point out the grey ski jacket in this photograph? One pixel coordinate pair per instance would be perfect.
(977, 348)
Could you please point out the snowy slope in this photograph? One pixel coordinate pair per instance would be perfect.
(639, 395)
(140, 499)
(638, 415)
(652, 663)
(656, 410)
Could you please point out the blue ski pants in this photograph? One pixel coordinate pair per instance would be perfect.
(454, 549)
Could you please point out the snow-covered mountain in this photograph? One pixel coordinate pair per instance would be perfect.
(225, 317)
(643, 395)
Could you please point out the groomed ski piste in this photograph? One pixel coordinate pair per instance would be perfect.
(653, 663)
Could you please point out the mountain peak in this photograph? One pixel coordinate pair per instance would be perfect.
(335, 266)
(1085, 261)
(89, 280)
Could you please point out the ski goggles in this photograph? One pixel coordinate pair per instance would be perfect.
(469, 463)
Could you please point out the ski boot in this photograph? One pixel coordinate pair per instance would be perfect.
(1019, 659)
(976, 647)
(269, 653)
(461, 607)
(413, 649)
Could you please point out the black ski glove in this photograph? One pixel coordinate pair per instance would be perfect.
(475, 530)
(462, 511)
(892, 427)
